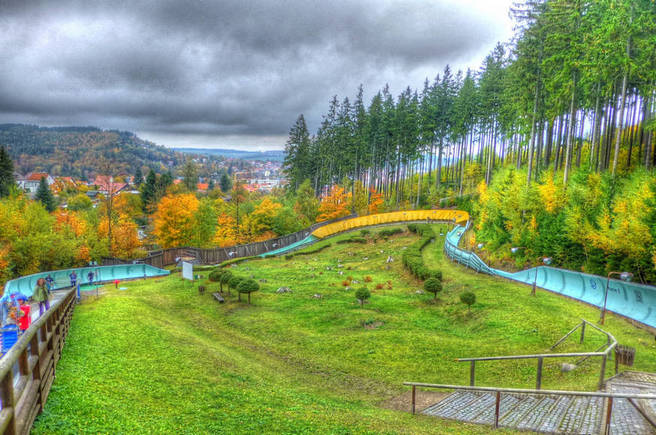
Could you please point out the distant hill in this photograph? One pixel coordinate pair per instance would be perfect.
(273, 156)
(78, 151)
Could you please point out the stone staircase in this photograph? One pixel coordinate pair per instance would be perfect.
(556, 413)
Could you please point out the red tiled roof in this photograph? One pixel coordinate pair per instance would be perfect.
(202, 186)
(37, 176)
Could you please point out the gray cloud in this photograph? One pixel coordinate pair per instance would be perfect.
(223, 68)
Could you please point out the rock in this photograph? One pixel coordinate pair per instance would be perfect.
(340, 272)
(390, 259)
(263, 280)
(284, 290)
(365, 258)
(348, 288)
(355, 281)
(567, 367)
(317, 296)
(419, 292)
(340, 265)
(328, 268)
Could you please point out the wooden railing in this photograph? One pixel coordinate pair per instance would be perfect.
(609, 345)
(27, 371)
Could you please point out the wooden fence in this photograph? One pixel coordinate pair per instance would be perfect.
(27, 371)
(167, 257)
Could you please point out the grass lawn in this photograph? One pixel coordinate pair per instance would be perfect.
(160, 358)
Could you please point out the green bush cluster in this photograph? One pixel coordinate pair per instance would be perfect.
(353, 239)
(387, 232)
(365, 232)
(215, 274)
(412, 258)
(311, 251)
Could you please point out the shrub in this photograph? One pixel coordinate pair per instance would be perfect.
(352, 240)
(309, 252)
(412, 258)
(226, 276)
(362, 294)
(346, 283)
(364, 233)
(367, 278)
(215, 274)
(468, 298)
(379, 286)
(235, 281)
(387, 232)
(247, 286)
(433, 285)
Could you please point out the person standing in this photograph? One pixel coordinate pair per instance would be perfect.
(90, 276)
(26, 318)
(73, 277)
(41, 295)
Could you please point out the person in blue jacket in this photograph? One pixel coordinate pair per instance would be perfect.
(73, 277)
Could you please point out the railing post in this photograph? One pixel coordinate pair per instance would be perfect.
(496, 410)
(609, 412)
(8, 400)
(582, 332)
(414, 392)
(472, 373)
(539, 375)
(602, 374)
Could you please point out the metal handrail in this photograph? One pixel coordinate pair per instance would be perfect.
(535, 391)
(608, 396)
(611, 342)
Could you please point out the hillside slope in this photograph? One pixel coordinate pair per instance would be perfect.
(80, 151)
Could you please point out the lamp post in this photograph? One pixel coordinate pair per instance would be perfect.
(624, 276)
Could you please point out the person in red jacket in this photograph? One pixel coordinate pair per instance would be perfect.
(26, 319)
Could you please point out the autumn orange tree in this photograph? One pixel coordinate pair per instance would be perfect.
(174, 220)
(334, 205)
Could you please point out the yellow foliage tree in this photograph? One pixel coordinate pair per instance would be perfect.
(375, 201)
(261, 219)
(225, 234)
(334, 205)
(174, 220)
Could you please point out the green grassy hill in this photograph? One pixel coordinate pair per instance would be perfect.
(160, 358)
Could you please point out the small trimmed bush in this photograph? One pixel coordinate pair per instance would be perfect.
(367, 279)
(247, 286)
(362, 294)
(226, 276)
(433, 285)
(468, 298)
(215, 274)
(365, 232)
(235, 281)
(379, 286)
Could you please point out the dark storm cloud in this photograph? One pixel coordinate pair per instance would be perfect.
(221, 68)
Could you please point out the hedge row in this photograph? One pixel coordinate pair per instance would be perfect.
(354, 239)
(310, 252)
(412, 258)
(386, 232)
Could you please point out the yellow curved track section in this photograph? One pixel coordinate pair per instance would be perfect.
(454, 216)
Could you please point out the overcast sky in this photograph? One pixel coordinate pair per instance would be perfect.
(225, 74)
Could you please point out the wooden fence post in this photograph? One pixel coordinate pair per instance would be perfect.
(472, 373)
